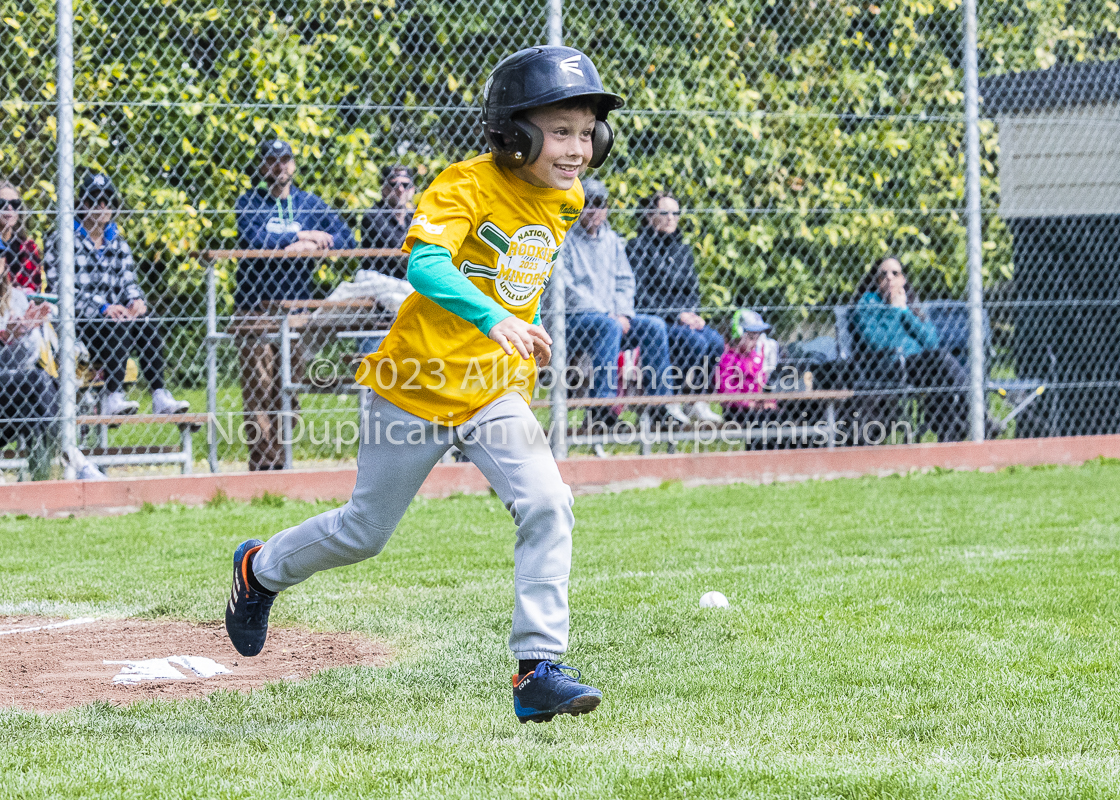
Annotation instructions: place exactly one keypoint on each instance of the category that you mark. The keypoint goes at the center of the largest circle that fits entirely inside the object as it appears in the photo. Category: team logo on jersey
(569, 213)
(525, 261)
(422, 221)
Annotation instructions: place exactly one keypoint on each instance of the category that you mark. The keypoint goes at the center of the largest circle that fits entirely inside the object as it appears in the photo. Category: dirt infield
(61, 664)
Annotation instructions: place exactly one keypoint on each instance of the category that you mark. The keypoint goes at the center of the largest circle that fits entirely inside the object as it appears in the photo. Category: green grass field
(946, 635)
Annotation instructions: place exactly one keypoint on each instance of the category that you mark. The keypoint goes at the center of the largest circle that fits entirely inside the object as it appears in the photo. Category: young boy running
(459, 365)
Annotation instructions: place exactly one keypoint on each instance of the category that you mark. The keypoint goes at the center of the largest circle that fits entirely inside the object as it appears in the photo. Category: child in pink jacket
(746, 364)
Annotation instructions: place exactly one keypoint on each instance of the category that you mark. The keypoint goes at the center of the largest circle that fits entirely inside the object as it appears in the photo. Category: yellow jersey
(503, 235)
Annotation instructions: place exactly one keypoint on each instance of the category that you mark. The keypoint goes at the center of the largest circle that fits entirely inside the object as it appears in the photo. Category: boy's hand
(512, 333)
(542, 353)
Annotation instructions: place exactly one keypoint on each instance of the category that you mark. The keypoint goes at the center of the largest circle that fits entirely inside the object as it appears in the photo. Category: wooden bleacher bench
(183, 455)
(356, 252)
(664, 400)
(696, 431)
(124, 455)
(300, 315)
(195, 421)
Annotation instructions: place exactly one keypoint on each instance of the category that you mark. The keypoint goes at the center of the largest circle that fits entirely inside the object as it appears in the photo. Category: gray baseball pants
(396, 453)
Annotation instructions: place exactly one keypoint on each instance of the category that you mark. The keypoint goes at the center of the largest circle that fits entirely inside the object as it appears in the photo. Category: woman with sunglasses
(668, 287)
(25, 265)
(386, 224)
(889, 320)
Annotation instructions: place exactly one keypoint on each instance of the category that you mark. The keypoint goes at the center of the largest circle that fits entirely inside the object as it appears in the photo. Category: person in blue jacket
(889, 319)
(277, 215)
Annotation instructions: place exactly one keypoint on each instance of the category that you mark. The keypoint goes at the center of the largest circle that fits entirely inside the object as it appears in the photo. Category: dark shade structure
(1060, 196)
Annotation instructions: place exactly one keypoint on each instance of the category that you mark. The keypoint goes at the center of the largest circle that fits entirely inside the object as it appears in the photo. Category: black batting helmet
(541, 76)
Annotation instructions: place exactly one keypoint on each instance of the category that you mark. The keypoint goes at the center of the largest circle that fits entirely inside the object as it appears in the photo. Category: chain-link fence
(771, 159)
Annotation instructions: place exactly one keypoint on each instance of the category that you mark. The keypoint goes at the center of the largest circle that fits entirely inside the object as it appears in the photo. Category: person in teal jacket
(889, 319)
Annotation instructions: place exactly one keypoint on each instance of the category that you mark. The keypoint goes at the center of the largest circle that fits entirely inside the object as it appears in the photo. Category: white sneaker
(83, 469)
(702, 412)
(116, 404)
(89, 472)
(164, 403)
(675, 411)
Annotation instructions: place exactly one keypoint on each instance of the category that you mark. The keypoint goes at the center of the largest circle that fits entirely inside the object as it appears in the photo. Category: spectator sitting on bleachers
(386, 224)
(27, 394)
(279, 216)
(112, 316)
(746, 364)
(24, 262)
(668, 287)
(889, 320)
(28, 380)
(599, 310)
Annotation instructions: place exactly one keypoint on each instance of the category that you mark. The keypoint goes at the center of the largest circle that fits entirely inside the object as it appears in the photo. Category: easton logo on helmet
(572, 65)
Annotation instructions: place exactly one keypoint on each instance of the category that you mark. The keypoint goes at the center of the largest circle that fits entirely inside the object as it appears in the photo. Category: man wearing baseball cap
(277, 215)
(386, 224)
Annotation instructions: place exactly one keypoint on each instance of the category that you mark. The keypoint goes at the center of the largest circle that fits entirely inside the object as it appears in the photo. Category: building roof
(1057, 87)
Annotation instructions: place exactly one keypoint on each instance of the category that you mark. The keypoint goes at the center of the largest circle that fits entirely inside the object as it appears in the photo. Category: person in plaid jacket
(112, 316)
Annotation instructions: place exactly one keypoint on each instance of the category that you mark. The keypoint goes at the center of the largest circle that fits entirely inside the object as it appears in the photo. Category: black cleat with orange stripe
(247, 610)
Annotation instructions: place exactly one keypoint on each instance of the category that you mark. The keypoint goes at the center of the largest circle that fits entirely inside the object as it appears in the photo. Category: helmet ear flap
(602, 140)
(516, 144)
(533, 136)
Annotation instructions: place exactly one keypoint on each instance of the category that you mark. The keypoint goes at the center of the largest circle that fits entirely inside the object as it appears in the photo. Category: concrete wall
(59, 498)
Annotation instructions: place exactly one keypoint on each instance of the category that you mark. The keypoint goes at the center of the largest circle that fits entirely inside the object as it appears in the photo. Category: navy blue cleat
(247, 610)
(540, 695)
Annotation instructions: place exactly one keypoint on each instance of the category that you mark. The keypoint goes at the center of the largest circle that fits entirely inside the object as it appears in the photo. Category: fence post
(211, 363)
(557, 326)
(286, 389)
(64, 19)
(972, 210)
(558, 330)
(556, 22)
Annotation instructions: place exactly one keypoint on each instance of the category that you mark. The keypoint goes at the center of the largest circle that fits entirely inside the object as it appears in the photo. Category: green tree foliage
(804, 137)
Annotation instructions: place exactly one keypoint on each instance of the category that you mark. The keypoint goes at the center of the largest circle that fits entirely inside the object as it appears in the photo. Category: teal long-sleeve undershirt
(432, 273)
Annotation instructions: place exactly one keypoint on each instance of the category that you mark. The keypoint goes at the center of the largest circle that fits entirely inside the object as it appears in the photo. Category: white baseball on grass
(714, 600)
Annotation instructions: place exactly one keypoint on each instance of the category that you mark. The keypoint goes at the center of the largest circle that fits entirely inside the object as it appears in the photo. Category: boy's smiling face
(567, 147)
